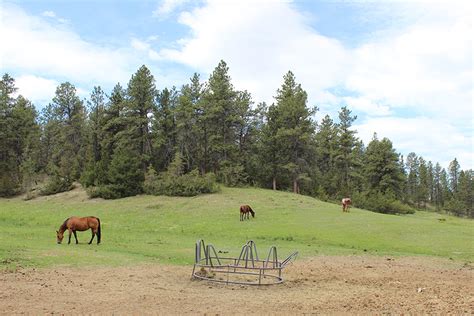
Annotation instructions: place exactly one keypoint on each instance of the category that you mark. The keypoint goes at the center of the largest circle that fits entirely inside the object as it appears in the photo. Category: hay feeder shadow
(246, 269)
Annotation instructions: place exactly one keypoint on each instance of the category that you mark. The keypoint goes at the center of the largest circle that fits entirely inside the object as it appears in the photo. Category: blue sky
(404, 68)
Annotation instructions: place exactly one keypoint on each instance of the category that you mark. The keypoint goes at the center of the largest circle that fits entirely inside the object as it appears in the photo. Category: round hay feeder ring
(247, 269)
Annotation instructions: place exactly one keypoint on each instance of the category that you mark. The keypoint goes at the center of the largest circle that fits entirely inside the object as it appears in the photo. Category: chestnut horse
(73, 224)
(244, 212)
(346, 203)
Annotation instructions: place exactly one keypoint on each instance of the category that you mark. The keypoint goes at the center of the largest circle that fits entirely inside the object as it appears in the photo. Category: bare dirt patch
(325, 284)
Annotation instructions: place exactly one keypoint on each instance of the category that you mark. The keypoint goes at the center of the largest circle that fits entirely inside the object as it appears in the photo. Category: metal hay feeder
(247, 269)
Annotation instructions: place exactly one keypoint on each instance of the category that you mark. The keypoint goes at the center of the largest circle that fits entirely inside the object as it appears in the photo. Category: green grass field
(146, 229)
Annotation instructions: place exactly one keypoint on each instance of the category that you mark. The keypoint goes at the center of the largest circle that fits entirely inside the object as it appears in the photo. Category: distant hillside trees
(19, 140)
(180, 141)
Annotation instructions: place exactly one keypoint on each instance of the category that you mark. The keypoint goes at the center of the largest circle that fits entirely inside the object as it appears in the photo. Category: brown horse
(73, 224)
(346, 203)
(244, 212)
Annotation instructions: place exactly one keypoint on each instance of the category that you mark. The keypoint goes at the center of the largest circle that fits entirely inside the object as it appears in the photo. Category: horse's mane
(64, 225)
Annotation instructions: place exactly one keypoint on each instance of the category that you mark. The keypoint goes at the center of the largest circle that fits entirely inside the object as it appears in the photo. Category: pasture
(358, 262)
(151, 229)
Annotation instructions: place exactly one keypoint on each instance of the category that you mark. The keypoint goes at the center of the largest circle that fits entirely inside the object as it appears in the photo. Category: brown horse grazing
(346, 203)
(73, 224)
(244, 212)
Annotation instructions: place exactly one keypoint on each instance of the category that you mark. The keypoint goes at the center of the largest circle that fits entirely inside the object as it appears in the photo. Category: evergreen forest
(189, 140)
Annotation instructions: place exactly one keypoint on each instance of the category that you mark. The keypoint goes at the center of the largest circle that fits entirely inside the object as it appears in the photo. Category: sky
(405, 68)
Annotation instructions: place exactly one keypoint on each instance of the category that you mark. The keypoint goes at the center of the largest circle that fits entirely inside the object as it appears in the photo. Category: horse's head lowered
(59, 236)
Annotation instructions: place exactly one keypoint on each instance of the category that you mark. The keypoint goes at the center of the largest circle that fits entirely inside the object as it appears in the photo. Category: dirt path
(318, 285)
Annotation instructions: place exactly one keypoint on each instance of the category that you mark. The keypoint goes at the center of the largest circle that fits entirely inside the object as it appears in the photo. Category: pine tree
(189, 134)
(68, 115)
(125, 172)
(219, 116)
(447, 194)
(19, 138)
(294, 130)
(382, 168)
(95, 171)
(430, 182)
(346, 141)
(113, 128)
(223, 112)
(139, 106)
(325, 140)
(9, 175)
(438, 194)
(454, 169)
(27, 132)
(270, 158)
(165, 128)
(423, 184)
(249, 132)
(413, 169)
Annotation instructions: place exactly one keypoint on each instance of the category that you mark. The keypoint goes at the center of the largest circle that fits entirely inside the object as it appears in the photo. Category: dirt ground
(325, 284)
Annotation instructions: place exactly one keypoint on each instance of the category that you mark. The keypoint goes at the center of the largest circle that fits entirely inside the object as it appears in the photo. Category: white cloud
(168, 6)
(145, 47)
(427, 67)
(139, 45)
(261, 41)
(365, 105)
(40, 47)
(429, 138)
(49, 14)
(52, 14)
(38, 89)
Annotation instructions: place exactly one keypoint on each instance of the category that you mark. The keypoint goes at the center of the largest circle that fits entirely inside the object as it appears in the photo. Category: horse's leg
(70, 233)
(241, 216)
(93, 235)
(75, 236)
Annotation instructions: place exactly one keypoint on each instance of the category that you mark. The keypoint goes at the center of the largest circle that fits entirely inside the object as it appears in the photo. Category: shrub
(321, 194)
(189, 184)
(109, 191)
(381, 203)
(124, 177)
(55, 185)
(232, 175)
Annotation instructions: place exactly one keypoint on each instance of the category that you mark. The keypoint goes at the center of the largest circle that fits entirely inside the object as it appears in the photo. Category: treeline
(182, 141)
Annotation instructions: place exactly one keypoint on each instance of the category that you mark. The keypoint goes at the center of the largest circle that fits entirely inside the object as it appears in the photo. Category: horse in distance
(245, 210)
(346, 203)
(73, 224)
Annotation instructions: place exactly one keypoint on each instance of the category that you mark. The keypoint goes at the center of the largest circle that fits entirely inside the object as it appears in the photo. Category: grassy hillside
(165, 229)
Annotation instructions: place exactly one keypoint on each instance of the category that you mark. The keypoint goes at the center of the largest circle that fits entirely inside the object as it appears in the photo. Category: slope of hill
(164, 229)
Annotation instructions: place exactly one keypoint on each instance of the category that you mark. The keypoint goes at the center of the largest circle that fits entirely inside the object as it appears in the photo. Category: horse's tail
(98, 231)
